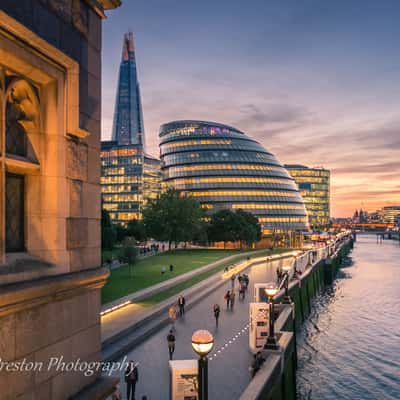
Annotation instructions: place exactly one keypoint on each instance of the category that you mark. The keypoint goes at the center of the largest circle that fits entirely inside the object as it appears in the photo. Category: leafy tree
(129, 253)
(250, 231)
(173, 217)
(223, 227)
(108, 233)
(230, 226)
(121, 232)
(137, 230)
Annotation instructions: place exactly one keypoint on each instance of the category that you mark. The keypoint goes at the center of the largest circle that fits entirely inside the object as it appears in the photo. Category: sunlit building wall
(151, 178)
(391, 214)
(223, 168)
(314, 186)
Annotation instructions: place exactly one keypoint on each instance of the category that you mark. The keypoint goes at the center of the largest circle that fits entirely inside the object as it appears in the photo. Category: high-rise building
(128, 127)
(50, 257)
(390, 214)
(314, 186)
(223, 168)
(129, 176)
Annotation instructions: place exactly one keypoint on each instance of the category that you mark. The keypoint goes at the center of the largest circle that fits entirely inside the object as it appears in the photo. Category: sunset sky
(316, 82)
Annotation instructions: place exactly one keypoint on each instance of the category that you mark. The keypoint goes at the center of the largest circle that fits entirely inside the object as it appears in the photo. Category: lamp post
(202, 344)
(271, 290)
(287, 299)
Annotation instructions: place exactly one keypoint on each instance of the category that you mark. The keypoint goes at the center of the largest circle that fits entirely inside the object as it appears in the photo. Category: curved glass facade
(223, 168)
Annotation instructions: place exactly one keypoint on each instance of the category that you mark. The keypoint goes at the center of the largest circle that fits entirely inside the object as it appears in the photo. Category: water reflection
(350, 347)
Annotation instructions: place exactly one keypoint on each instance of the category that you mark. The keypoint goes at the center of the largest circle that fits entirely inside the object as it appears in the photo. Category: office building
(390, 214)
(223, 168)
(314, 186)
(129, 176)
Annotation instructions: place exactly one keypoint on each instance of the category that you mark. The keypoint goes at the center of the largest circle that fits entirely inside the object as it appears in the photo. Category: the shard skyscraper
(128, 127)
(129, 176)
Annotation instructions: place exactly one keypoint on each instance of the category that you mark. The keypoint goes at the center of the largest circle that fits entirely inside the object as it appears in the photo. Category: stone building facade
(50, 263)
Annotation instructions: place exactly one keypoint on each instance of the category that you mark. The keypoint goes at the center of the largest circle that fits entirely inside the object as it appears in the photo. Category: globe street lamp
(271, 291)
(286, 299)
(202, 344)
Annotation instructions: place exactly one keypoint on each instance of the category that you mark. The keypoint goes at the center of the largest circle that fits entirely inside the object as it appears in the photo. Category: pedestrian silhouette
(227, 297)
(131, 378)
(217, 311)
(181, 304)
(232, 299)
(172, 316)
(171, 343)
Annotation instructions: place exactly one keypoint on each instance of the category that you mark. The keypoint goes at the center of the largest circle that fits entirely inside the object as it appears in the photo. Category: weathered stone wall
(50, 295)
(66, 328)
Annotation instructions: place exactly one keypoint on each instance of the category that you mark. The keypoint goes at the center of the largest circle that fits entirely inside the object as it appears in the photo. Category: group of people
(230, 299)
(132, 373)
(172, 315)
(146, 250)
(164, 269)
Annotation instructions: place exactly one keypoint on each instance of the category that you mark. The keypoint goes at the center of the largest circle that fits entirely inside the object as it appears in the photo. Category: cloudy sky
(317, 82)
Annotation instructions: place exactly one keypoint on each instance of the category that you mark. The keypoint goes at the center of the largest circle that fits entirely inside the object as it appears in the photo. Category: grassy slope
(147, 272)
(175, 290)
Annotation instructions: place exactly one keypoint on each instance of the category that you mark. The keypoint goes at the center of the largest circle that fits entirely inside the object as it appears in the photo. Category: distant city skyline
(313, 82)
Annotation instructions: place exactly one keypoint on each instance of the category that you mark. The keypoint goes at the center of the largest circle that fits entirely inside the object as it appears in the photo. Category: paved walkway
(115, 322)
(230, 359)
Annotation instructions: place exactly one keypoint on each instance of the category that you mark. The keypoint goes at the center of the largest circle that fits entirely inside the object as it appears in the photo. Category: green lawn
(175, 290)
(147, 272)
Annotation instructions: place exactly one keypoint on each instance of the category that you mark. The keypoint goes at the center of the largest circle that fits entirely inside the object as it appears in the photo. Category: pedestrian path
(230, 359)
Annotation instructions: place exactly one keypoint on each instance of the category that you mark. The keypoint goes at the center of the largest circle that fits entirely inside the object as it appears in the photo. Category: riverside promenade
(230, 360)
(125, 328)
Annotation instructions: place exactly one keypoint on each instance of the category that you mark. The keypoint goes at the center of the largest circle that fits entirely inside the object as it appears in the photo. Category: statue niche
(22, 117)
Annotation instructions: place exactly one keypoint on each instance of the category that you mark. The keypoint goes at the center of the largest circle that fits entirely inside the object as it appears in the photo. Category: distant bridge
(372, 226)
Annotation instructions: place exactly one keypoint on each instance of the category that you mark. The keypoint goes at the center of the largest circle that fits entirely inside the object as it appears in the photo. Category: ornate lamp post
(286, 299)
(202, 344)
(271, 291)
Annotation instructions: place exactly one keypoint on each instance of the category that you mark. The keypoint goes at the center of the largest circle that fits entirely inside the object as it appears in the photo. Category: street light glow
(202, 342)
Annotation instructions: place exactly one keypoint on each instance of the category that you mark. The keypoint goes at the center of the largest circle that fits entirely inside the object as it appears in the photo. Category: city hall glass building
(314, 186)
(129, 176)
(223, 168)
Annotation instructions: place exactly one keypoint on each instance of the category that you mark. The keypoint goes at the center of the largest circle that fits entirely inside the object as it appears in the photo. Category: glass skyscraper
(223, 168)
(128, 127)
(129, 176)
(314, 186)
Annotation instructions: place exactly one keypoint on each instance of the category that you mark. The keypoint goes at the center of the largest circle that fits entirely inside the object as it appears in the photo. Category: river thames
(350, 346)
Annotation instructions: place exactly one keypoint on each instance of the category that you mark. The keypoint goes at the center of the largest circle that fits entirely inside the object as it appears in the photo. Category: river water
(349, 349)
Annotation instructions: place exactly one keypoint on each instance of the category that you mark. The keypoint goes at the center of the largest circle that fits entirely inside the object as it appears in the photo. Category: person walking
(246, 280)
(171, 343)
(172, 316)
(171, 268)
(232, 296)
(131, 378)
(227, 297)
(181, 305)
(242, 291)
(217, 311)
(233, 280)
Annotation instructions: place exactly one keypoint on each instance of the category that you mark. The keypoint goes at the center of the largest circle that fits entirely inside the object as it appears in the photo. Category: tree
(250, 231)
(108, 234)
(129, 253)
(137, 230)
(121, 232)
(173, 217)
(223, 227)
(229, 226)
